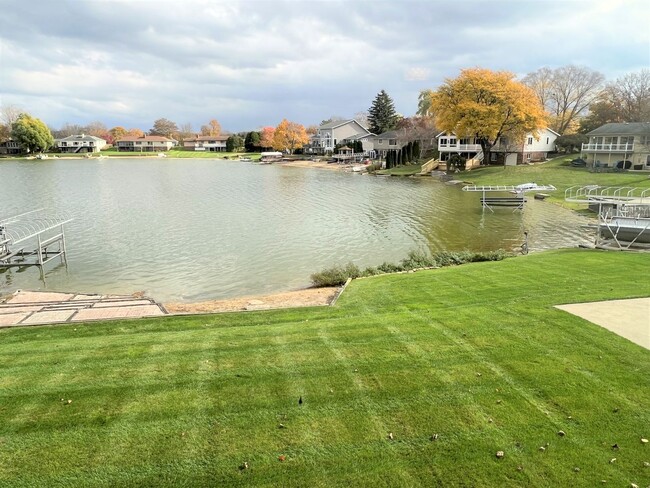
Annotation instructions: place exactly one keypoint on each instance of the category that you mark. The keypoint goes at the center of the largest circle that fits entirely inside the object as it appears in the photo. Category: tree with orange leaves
(289, 136)
(266, 137)
(487, 105)
(212, 129)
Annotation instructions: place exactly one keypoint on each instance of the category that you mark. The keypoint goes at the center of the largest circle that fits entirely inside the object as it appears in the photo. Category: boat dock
(515, 199)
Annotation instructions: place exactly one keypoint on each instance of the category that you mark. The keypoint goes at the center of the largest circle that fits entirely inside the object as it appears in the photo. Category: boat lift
(32, 239)
(623, 214)
(516, 199)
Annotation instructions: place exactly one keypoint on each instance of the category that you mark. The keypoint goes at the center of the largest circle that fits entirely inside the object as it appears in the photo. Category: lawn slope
(475, 354)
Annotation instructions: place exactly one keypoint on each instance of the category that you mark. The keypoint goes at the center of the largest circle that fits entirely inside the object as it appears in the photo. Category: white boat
(162, 155)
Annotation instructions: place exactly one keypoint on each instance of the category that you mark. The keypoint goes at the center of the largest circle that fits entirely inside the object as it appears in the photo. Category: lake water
(191, 230)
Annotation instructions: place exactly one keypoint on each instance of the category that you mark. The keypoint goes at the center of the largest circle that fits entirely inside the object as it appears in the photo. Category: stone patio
(36, 307)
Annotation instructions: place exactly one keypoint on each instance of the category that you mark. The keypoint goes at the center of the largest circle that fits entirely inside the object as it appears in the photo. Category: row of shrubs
(338, 275)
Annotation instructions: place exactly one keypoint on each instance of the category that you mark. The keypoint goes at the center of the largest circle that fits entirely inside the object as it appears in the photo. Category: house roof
(390, 134)
(454, 134)
(338, 123)
(207, 138)
(81, 137)
(361, 135)
(145, 138)
(623, 128)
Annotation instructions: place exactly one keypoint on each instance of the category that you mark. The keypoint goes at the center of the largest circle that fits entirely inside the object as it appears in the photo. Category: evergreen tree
(252, 141)
(382, 116)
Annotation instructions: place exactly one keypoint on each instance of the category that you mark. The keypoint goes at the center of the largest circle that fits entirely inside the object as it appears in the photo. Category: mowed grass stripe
(184, 401)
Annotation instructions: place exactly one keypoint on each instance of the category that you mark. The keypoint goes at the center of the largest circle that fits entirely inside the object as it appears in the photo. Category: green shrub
(388, 268)
(418, 259)
(338, 275)
(335, 276)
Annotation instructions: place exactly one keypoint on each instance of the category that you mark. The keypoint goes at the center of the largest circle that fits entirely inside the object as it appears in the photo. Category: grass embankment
(557, 172)
(403, 170)
(475, 354)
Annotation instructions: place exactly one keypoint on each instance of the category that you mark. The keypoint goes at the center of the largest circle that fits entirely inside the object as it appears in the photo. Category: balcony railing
(459, 147)
(608, 147)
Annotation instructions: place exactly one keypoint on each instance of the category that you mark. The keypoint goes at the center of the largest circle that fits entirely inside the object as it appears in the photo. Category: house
(206, 143)
(387, 141)
(623, 145)
(504, 151)
(80, 143)
(330, 134)
(145, 144)
(10, 147)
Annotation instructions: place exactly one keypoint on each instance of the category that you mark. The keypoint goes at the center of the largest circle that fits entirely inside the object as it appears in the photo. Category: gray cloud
(252, 63)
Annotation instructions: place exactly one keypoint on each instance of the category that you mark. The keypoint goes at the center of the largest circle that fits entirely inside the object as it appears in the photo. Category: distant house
(206, 143)
(10, 147)
(341, 131)
(624, 145)
(387, 141)
(505, 151)
(145, 144)
(80, 143)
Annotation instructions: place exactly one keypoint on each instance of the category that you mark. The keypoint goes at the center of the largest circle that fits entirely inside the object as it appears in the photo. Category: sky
(250, 64)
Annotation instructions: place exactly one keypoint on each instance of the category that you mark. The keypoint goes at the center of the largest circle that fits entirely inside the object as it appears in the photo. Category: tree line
(487, 105)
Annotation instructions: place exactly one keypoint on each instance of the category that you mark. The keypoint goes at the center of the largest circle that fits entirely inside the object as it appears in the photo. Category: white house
(332, 133)
(206, 143)
(624, 145)
(145, 144)
(504, 151)
(80, 143)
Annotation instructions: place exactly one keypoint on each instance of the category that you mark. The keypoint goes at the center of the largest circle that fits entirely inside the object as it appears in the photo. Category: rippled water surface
(199, 229)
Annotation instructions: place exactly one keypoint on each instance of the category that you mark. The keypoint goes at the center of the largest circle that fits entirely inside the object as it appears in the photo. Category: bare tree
(362, 118)
(186, 131)
(541, 82)
(565, 92)
(9, 114)
(631, 95)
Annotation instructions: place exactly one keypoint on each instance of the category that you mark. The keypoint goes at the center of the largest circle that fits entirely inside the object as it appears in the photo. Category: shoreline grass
(475, 354)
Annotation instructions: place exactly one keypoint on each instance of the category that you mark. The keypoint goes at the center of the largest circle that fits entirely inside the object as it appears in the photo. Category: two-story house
(10, 147)
(619, 145)
(80, 143)
(332, 133)
(206, 143)
(145, 144)
(388, 141)
(505, 151)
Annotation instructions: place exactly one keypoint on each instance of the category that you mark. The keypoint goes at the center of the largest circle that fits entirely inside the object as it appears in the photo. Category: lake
(196, 229)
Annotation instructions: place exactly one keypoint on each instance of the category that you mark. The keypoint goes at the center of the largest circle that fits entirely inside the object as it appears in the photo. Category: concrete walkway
(36, 307)
(627, 318)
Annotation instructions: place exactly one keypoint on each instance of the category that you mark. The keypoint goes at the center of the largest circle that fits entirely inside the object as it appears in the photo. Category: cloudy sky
(252, 63)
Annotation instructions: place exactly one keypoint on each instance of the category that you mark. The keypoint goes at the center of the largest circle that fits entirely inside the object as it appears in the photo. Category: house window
(528, 156)
(547, 139)
(530, 141)
(379, 141)
(443, 141)
(493, 157)
(392, 142)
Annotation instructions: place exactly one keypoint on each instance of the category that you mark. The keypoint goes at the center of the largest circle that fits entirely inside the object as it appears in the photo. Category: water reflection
(197, 229)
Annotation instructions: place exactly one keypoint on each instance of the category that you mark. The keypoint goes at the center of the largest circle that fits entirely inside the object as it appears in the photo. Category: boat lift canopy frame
(516, 201)
(37, 235)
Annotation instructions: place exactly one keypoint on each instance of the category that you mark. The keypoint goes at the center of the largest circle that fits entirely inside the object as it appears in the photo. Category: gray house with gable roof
(623, 145)
(80, 143)
(340, 131)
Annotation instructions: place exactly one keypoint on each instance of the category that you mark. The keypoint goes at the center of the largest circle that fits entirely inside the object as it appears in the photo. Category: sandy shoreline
(310, 297)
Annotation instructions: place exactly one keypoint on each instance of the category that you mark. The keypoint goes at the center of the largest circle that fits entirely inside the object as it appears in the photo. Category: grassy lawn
(557, 172)
(475, 354)
(404, 170)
